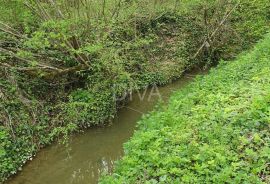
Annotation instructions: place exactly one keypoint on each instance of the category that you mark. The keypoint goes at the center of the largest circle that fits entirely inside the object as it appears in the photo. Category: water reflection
(94, 170)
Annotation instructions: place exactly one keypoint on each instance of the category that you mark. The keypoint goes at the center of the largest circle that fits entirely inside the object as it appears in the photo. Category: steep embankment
(214, 131)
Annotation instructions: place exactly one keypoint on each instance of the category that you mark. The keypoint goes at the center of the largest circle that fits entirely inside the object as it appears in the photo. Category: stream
(96, 149)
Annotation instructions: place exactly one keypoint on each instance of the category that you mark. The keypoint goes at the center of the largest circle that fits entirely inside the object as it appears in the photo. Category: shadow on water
(90, 153)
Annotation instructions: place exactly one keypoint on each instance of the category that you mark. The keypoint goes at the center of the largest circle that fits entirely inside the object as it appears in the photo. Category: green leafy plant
(216, 130)
(62, 63)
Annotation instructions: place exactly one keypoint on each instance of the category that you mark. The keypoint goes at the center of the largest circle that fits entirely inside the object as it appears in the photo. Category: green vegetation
(63, 62)
(216, 130)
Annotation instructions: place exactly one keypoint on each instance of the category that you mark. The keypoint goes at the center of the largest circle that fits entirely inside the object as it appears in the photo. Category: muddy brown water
(96, 149)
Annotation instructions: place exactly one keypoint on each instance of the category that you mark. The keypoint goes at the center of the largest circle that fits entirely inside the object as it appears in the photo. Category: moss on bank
(216, 130)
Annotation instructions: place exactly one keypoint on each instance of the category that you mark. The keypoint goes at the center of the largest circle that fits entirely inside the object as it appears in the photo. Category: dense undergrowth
(216, 130)
(62, 63)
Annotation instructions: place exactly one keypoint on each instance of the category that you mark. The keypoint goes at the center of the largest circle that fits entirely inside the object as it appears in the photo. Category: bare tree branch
(226, 16)
(7, 29)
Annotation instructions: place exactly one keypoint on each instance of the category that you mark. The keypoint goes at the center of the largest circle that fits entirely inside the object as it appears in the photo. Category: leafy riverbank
(216, 130)
(62, 64)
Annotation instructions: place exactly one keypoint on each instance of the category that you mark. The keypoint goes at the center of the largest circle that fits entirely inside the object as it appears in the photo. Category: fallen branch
(49, 72)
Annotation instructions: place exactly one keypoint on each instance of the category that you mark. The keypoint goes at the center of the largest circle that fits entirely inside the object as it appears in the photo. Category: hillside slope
(216, 130)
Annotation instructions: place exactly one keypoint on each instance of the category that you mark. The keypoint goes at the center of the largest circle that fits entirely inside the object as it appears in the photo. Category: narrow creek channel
(90, 153)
